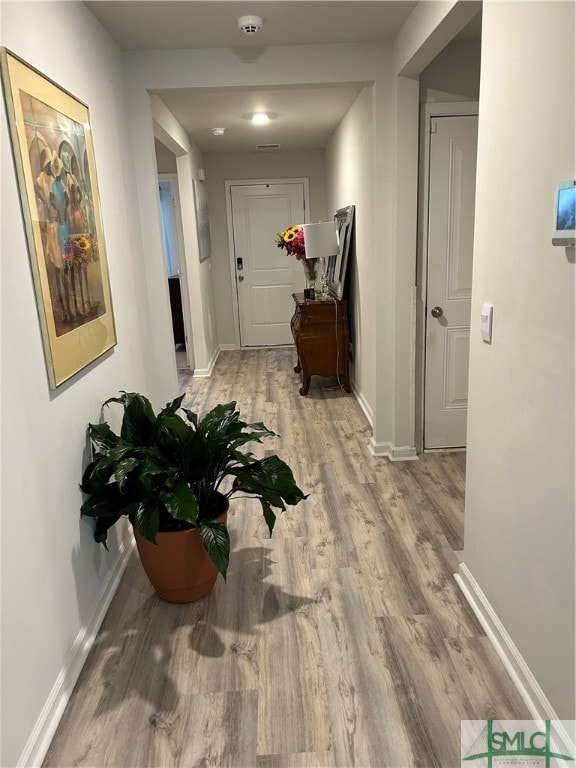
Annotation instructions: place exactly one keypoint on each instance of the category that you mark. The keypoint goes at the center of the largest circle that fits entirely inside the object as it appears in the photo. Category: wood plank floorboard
(367, 728)
(341, 642)
(298, 760)
(292, 704)
(413, 651)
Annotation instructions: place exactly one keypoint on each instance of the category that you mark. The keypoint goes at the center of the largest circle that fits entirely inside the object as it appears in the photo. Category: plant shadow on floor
(149, 649)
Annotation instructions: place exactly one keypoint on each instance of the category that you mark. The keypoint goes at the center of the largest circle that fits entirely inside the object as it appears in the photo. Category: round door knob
(437, 312)
(240, 278)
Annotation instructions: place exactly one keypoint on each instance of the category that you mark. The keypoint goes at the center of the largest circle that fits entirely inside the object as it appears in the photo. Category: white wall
(520, 508)
(52, 573)
(454, 75)
(427, 31)
(351, 181)
(165, 159)
(230, 166)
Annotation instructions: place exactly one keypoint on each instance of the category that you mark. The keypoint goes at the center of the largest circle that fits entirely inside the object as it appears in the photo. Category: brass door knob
(240, 278)
(437, 312)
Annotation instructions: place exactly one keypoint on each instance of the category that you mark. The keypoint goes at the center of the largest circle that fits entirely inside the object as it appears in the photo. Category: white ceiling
(302, 118)
(165, 24)
(139, 25)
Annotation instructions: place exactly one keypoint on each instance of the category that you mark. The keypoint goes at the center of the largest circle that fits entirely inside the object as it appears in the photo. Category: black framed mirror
(338, 265)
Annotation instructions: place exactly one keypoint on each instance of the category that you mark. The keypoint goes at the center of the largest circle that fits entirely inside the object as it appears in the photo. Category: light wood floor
(341, 641)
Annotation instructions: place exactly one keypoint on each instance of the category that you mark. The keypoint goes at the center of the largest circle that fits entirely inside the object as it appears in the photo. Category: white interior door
(266, 277)
(453, 142)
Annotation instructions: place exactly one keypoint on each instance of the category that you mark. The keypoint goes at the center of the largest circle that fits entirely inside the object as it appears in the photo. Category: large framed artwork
(54, 159)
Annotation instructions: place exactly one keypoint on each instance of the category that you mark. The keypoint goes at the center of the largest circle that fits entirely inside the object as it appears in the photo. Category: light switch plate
(486, 323)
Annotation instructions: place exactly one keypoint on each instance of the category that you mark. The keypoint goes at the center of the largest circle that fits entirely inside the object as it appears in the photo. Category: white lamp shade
(320, 240)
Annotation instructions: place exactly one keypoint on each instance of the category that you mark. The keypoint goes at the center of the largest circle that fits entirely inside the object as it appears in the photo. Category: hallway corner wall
(55, 580)
(519, 520)
(350, 160)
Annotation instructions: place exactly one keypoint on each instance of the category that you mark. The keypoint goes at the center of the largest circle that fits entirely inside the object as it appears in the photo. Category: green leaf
(196, 457)
(151, 469)
(216, 542)
(101, 528)
(182, 503)
(270, 478)
(122, 399)
(269, 515)
(147, 519)
(139, 422)
(243, 438)
(261, 426)
(130, 509)
(123, 469)
(191, 416)
(220, 413)
(106, 503)
(97, 474)
(172, 426)
(119, 452)
(171, 408)
(102, 435)
(243, 458)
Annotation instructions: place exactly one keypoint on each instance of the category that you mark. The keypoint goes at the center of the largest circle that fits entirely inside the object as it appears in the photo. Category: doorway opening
(173, 252)
(172, 265)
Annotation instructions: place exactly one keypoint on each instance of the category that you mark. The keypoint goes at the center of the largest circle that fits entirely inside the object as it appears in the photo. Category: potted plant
(172, 476)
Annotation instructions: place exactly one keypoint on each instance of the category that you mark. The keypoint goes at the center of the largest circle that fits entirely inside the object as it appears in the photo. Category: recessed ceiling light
(260, 118)
(218, 131)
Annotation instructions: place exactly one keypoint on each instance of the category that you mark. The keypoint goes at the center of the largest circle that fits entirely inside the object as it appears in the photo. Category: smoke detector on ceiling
(250, 24)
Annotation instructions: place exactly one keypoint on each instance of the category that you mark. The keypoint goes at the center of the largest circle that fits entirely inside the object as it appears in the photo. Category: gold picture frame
(56, 171)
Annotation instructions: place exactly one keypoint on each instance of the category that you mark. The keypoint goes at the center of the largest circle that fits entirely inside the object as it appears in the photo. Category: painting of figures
(56, 172)
(57, 154)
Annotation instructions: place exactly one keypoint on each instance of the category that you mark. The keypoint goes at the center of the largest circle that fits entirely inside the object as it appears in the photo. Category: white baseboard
(228, 347)
(403, 453)
(37, 745)
(392, 452)
(363, 403)
(379, 449)
(204, 373)
(528, 687)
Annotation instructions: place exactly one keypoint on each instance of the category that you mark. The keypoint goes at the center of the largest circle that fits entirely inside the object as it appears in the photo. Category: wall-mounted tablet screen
(564, 225)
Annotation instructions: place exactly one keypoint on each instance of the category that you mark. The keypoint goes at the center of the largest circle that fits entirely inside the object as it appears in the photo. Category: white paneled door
(453, 141)
(266, 277)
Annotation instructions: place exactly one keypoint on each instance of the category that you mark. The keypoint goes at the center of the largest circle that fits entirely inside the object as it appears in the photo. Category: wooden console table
(320, 330)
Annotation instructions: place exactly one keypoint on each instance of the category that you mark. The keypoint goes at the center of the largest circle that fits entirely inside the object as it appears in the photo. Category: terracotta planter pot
(178, 566)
